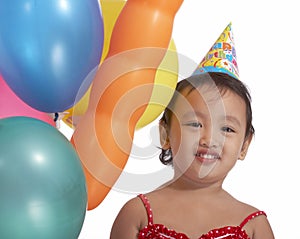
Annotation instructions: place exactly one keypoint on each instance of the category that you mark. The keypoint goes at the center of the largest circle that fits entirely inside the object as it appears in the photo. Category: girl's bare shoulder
(256, 224)
(130, 219)
(135, 208)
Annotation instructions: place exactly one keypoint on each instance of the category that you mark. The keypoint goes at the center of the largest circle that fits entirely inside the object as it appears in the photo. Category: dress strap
(148, 208)
(251, 216)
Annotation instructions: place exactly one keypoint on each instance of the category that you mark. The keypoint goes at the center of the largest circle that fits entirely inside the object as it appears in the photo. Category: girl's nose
(209, 138)
(205, 141)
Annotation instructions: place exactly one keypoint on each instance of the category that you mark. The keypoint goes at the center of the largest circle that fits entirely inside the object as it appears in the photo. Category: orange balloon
(121, 91)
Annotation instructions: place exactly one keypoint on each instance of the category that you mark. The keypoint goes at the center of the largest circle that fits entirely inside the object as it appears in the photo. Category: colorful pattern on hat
(221, 57)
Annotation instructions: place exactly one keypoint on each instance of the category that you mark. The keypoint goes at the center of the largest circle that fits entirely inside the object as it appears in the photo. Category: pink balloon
(12, 105)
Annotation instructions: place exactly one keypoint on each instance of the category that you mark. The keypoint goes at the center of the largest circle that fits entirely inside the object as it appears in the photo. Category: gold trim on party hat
(221, 57)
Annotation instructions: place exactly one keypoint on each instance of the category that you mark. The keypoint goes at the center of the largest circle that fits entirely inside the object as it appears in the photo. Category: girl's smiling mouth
(206, 156)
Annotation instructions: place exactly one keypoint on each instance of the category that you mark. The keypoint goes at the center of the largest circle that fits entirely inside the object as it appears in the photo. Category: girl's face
(207, 134)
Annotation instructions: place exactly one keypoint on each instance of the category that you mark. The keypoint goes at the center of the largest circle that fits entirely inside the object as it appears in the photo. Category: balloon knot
(56, 116)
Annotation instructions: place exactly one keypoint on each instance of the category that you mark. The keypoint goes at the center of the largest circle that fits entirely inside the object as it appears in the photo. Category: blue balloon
(42, 183)
(50, 49)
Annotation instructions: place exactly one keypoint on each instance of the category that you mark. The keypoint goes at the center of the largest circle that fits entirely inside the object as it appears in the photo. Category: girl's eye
(194, 124)
(227, 129)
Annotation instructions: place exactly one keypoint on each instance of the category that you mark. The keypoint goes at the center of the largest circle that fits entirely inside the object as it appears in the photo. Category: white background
(266, 40)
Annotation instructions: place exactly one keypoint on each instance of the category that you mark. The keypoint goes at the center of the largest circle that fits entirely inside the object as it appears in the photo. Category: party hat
(221, 57)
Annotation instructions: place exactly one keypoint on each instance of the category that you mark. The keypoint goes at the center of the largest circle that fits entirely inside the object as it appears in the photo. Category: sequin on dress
(159, 231)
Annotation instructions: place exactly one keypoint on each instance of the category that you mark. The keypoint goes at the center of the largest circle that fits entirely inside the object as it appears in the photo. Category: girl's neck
(188, 186)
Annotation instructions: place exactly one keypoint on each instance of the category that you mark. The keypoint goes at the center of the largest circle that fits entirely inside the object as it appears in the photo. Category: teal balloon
(50, 50)
(42, 184)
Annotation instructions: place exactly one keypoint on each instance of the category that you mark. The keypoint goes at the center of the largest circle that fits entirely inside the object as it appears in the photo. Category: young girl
(205, 129)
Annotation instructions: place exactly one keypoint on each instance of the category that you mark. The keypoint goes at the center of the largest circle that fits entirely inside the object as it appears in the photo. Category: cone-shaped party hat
(221, 57)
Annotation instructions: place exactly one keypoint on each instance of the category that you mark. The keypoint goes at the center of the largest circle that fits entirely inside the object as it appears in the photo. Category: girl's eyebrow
(233, 119)
(190, 114)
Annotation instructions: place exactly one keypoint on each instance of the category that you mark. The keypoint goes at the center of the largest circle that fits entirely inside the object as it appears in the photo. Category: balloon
(49, 48)
(121, 91)
(42, 185)
(164, 85)
(12, 105)
(110, 12)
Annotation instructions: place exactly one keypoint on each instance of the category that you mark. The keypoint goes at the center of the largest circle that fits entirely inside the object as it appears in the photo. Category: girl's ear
(163, 135)
(245, 147)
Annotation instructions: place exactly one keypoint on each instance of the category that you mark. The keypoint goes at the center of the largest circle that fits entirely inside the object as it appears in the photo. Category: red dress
(159, 231)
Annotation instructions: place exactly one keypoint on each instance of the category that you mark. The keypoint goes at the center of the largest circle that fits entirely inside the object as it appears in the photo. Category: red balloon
(12, 105)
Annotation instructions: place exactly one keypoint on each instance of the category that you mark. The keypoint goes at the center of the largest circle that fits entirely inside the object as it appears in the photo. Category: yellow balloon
(166, 78)
(110, 12)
